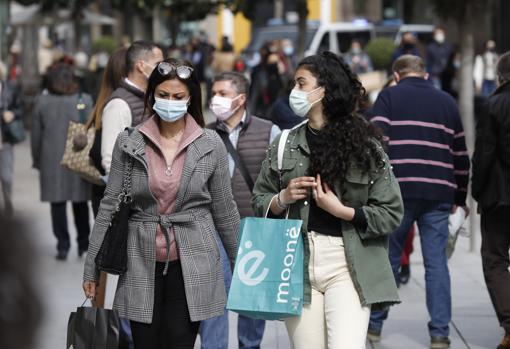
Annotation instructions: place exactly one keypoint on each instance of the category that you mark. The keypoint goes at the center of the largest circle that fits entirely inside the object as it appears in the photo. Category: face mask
(152, 68)
(170, 110)
(288, 50)
(356, 50)
(299, 102)
(408, 46)
(439, 37)
(221, 107)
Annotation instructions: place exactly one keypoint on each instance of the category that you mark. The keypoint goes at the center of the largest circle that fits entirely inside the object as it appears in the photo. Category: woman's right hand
(297, 189)
(90, 289)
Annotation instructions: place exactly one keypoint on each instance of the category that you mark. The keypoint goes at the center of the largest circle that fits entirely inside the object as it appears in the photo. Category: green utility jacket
(377, 192)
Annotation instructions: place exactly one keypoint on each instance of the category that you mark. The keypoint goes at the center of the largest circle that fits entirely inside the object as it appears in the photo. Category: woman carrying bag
(50, 122)
(337, 179)
(180, 196)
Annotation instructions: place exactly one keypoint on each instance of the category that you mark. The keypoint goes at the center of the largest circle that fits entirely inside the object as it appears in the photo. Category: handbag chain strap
(126, 184)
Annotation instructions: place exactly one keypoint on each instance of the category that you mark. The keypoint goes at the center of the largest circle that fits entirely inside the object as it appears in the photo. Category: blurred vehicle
(263, 35)
(423, 32)
(335, 37)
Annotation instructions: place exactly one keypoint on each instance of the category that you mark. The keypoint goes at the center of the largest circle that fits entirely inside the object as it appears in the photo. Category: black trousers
(81, 221)
(495, 260)
(171, 327)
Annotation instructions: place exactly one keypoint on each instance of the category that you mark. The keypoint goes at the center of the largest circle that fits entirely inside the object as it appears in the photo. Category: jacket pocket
(355, 189)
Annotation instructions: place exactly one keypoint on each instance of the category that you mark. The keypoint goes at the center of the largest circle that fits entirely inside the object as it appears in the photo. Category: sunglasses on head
(182, 71)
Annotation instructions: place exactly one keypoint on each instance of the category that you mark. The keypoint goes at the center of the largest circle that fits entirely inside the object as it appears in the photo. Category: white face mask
(222, 107)
(299, 102)
(439, 37)
(152, 68)
(170, 110)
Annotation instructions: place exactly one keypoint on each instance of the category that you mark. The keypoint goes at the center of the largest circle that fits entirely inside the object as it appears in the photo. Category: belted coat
(204, 206)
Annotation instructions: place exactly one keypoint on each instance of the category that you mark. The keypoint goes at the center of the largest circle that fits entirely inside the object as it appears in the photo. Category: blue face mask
(170, 110)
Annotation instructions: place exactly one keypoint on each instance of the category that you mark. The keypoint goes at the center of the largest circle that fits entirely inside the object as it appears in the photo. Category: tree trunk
(302, 8)
(173, 28)
(278, 9)
(4, 22)
(466, 97)
(77, 31)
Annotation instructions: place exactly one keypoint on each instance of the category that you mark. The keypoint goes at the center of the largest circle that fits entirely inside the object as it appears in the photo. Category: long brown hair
(114, 72)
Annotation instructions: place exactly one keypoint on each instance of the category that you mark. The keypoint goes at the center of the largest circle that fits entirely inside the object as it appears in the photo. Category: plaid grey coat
(204, 205)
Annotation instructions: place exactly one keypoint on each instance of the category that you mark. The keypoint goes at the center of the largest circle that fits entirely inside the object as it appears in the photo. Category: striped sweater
(426, 141)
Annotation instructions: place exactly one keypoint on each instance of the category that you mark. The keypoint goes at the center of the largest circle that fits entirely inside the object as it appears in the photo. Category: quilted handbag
(80, 138)
(112, 256)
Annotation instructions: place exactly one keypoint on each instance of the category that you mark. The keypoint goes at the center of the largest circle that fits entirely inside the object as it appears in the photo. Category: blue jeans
(214, 332)
(488, 86)
(432, 221)
(250, 332)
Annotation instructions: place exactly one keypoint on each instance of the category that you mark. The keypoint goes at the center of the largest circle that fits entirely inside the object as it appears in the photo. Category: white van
(337, 37)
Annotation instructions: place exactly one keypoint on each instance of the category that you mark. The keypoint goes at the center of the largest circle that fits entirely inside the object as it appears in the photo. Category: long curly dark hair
(346, 139)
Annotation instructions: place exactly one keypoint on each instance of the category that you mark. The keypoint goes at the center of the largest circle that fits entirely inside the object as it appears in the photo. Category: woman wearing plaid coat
(181, 194)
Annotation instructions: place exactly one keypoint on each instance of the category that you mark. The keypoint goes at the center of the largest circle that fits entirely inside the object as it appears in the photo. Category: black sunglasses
(182, 71)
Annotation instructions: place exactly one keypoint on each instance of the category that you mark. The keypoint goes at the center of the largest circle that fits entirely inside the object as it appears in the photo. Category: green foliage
(50, 5)
(380, 51)
(105, 43)
(180, 10)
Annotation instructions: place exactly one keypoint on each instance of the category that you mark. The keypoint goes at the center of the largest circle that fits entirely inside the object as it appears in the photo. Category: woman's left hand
(328, 201)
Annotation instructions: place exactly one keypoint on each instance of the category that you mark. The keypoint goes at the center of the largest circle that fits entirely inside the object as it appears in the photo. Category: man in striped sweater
(428, 153)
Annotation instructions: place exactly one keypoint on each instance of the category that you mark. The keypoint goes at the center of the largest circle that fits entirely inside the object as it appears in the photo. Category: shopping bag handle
(91, 302)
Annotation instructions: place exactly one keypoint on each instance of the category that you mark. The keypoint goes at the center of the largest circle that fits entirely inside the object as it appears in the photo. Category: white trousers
(335, 318)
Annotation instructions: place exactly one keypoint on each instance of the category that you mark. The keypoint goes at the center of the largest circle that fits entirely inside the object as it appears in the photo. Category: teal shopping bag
(267, 282)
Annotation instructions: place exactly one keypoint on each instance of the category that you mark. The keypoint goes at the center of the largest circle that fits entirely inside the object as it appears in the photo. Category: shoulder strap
(126, 183)
(281, 150)
(237, 160)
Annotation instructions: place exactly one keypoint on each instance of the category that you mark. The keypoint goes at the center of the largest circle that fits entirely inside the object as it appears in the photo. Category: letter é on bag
(247, 276)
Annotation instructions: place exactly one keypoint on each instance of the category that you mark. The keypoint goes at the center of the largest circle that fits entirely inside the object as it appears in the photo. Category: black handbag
(112, 256)
(93, 328)
(15, 131)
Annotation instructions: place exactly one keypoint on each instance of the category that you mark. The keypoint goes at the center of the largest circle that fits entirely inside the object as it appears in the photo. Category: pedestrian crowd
(364, 178)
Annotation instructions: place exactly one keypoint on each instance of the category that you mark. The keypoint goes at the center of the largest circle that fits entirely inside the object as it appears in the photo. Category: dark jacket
(437, 57)
(10, 99)
(491, 159)
(401, 50)
(282, 115)
(135, 100)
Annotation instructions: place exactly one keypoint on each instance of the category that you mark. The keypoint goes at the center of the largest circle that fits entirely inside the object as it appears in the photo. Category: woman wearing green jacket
(338, 180)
